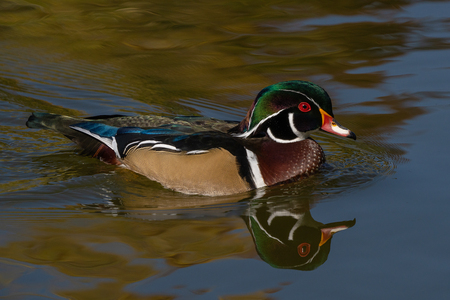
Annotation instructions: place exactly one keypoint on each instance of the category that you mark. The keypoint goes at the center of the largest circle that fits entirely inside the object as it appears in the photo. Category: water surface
(72, 227)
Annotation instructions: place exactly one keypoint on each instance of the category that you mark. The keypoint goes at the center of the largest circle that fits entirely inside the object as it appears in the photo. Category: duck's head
(290, 111)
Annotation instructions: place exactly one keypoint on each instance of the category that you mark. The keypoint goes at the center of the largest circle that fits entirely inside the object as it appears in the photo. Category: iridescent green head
(289, 111)
(286, 94)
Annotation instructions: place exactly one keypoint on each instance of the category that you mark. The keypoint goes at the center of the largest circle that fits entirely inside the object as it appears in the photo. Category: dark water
(72, 227)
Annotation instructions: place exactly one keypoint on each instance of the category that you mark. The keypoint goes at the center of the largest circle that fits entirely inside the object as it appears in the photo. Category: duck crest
(279, 96)
(281, 163)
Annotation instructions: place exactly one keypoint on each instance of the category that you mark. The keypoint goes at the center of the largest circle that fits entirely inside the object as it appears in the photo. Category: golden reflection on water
(81, 57)
(97, 246)
(138, 245)
(171, 50)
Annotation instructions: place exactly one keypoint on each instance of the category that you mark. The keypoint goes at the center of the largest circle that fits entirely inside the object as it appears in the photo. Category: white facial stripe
(248, 133)
(254, 169)
(303, 135)
(291, 237)
(282, 213)
(265, 231)
(309, 98)
(293, 229)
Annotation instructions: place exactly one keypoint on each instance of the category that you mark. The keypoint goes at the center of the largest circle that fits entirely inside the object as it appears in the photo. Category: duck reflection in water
(187, 230)
(287, 236)
(284, 233)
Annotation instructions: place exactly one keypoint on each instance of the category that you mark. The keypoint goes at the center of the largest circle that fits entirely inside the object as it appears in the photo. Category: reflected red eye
(303, 249)
(304, 107)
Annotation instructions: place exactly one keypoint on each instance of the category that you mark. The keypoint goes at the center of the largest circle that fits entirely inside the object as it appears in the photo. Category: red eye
(303, 249)
(304, 107)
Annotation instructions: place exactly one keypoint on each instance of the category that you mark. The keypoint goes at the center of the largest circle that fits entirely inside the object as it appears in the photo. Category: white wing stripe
(152, 142)
(165, 146)
(196, 152)
(110, 142)
(254, 169)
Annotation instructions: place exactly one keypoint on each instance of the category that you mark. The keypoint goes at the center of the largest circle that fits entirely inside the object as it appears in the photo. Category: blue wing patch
(157, 139)
(160, 131)
(99, 129)
(128, 130)
(107, 131)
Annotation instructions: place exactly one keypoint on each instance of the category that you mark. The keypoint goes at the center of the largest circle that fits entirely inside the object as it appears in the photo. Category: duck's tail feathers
(90, 144)
(54, 122)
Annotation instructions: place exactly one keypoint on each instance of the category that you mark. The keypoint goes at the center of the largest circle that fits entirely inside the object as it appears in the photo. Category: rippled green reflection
(76, 228)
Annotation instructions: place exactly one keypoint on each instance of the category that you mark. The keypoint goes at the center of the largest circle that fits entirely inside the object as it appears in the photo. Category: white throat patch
(300, 135)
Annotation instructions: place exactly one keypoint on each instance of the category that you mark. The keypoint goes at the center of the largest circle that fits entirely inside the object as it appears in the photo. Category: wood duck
(288, 237)
(197, 155)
